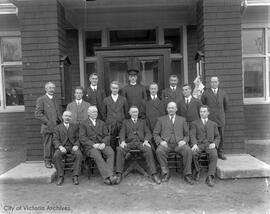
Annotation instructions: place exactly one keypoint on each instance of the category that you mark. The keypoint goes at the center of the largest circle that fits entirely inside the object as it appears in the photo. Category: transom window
(256, 55)
(11, 76)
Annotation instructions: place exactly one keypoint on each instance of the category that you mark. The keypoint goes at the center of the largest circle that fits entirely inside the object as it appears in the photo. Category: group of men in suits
(92, 124)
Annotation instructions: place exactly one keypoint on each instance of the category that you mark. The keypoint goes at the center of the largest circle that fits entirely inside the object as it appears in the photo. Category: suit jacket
(163, 129)
(218, 105)
(204, 134)
(131, 132)
(90, 134)
(134, 94)
(151, 111)
(79, 113)
(172, 96)
(63, 136)
(47, 111)
(191, 111)
(115, 111)
(88, 97)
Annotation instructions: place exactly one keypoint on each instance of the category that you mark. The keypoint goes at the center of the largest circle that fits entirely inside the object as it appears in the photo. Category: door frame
(134, 51)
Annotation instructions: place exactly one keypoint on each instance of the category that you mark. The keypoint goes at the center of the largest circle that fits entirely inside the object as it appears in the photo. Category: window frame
(3, 107)
(265, 56)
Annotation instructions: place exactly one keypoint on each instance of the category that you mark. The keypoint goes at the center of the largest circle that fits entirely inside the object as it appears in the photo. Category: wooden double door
(153, 66)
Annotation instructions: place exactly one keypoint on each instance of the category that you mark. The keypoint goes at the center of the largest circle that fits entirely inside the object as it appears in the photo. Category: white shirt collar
(79, 101)
(206, 119)
(173, 87)
(114, 97)
(93, 87)
(173, 119)
(93, 121)
(188, 98)
(154, 97)
(133, 84)
(50, 96)
(214, 89)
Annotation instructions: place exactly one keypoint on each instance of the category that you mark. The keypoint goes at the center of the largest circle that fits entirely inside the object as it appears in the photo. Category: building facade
(64, 41)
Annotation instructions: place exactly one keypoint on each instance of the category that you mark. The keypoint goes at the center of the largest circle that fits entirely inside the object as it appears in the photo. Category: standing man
(204, 136)
(189, 107)
(171, 134)
(47, 111)
(115, 110)
(153, 108)
(94, 94)
(66, 141)
(173, 93)
(95, 138)
(134, 92)
(217, 101)
(135, 134)
(78, 107)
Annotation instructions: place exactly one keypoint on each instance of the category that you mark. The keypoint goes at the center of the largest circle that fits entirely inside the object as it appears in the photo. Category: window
(11, 76)
(256, 68)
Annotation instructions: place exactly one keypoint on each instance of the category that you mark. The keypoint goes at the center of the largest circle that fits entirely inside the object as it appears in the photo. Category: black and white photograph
(135, 106)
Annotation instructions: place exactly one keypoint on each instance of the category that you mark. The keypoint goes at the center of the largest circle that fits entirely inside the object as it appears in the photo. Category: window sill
(256, 102)
(13, 109)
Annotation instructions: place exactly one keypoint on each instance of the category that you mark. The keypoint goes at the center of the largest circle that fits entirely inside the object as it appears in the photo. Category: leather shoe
(156, 179)
(222, 157)
(209, 181)
(118, 178)
(188, 179)
(165, 177)
(60, 181)
(75, 180)
(110, 180)
(196, 176)
(48, 165)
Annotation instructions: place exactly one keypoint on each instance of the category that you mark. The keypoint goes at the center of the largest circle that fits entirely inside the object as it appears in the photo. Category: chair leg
(135, 166)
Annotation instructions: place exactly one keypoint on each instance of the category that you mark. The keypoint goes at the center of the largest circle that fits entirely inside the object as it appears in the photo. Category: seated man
(66, 141)
(135, 134)
(95, 139)
(171, 134)
(204, 136)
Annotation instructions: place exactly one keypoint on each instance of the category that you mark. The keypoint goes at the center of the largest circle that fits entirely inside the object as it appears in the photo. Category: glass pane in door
(149, 71)
(115, 70)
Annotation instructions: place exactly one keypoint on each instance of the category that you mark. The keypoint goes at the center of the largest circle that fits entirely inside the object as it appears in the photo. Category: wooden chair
(134, 156)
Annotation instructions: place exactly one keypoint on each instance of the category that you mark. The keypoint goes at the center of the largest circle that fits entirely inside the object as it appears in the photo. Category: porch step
(29, 172)
(242, 166)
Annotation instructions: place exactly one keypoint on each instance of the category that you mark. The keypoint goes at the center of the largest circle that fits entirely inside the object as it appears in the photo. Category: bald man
(66, 141)
(171, 133)
(95, 138)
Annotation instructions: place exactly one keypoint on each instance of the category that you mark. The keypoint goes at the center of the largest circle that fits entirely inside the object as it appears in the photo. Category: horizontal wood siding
(219, 28)
(43, 43)
(257, 121)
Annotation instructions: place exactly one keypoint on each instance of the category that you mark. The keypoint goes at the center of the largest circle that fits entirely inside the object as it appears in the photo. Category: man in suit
(204, 136)
(66, 141)
(135, 134)
(189, 107)
(115, 110)
(78, 107)
(94, 94)
(173, 93)
(152, 108)
(171, 134)
(47, 111)
(134, 92)
(95, 138)
(217, 101)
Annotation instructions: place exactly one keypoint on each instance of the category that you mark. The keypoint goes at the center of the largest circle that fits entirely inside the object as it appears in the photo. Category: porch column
(219, 37)
(43, 42)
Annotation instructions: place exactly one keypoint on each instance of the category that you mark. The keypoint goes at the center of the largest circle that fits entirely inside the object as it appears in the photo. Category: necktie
(172, 119)
(66, 125)
(187, 101)
(215, 91)
(173, 89)
(135, 121)
(204, 122)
